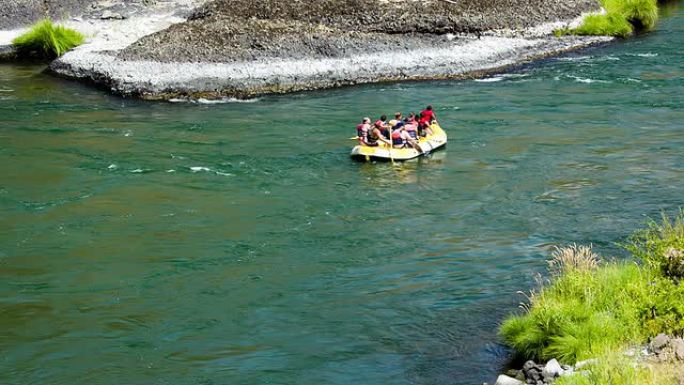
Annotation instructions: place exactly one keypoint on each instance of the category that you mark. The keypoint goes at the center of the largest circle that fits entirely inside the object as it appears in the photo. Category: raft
(382, 152)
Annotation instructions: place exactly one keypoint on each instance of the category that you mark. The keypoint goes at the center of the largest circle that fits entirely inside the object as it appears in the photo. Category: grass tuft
(610, 24)
(572, 258)
(592, 310)
(621, 19)
(661, 245)
(46, 40)
(643, 14)
(583, 314)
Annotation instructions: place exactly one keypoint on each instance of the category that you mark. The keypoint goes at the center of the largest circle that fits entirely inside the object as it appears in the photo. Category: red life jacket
(427, 114)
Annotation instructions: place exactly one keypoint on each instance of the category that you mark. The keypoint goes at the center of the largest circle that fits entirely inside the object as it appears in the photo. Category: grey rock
(534, 375)
(678, 347)
(108, 15)
(529, 365)
(552, 369)
(520, 376)
(658, 343)
(505, 380)
(7, 53)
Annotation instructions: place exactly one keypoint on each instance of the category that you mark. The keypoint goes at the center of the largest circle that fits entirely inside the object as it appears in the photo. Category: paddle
(390, 150)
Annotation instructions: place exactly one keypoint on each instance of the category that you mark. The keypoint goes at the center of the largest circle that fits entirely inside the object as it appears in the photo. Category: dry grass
(572, 258)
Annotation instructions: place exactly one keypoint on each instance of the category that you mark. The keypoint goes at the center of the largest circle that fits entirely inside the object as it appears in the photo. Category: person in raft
(398, 121)
(363, 130)
(399, 131)
(383, 126)
(427, 117)
(411, 126)
(402, 139)
(371, 135)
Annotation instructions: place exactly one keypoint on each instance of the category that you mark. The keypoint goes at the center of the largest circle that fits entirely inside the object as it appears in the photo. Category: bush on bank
(621, 19)
(592, 309)
(46, 40)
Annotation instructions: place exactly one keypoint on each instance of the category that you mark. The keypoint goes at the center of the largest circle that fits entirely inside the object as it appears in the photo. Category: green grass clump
(661, 245)
(621, 19)
(609, 24)
(591, 309)
(47, 41)
(583, 314)
(643, 14)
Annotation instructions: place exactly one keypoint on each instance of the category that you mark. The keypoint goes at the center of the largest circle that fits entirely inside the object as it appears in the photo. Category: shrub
(584, 313)
(622, 17)
(46, 40)
(643, 14)
(595, 311)
(661, 245)
(610, 24)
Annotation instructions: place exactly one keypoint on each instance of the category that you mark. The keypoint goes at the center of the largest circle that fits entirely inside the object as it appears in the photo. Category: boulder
(658, 343)
(678, 347)
(505, 380)
(529, 365)
(552, 370)
(534, 375)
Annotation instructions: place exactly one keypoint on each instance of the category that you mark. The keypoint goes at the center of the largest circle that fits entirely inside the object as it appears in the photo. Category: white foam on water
(646, 54)
(514, 76)
(199, 168)
(608, 58)
(213, 101)
(112, 166)
(139, 170)
(223, 173)
(490, 80)
(575, 58)
(587, 80)
(171, 170)
(6, 90)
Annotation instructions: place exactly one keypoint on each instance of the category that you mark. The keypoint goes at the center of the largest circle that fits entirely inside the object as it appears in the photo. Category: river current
(237, 243)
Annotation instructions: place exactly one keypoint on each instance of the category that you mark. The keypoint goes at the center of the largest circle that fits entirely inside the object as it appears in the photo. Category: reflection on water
(181, 243)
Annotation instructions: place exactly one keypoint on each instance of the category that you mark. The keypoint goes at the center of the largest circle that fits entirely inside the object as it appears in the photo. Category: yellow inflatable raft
(438, 139)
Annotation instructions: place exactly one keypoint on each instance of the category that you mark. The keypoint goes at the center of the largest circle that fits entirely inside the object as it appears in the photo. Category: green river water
(237, 243)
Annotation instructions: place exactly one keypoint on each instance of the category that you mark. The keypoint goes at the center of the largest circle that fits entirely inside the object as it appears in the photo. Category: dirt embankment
(243, 30)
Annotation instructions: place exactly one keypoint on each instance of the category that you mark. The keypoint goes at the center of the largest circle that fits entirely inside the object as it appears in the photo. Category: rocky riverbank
(663, 352)
(165, 49)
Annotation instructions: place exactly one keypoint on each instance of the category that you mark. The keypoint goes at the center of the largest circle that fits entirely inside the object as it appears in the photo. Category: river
(237, 243)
